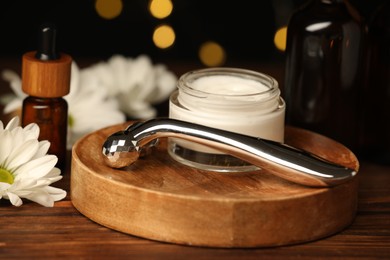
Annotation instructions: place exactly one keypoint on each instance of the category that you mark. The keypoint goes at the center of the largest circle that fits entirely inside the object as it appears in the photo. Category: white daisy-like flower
(136, 83)
(26, 170)
(90, 107)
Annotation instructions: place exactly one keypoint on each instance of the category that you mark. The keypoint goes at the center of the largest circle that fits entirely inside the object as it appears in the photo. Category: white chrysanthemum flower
(136, 83)
(26, 170)
(90, 107)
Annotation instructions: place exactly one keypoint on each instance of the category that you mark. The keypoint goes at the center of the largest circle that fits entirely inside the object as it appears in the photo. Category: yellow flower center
(6, 176)
(70, 121)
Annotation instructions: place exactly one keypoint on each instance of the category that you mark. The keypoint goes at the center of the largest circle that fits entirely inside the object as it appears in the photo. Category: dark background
(245, 28)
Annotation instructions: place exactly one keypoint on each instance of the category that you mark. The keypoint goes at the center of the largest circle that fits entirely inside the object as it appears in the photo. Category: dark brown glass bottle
(323, 76)
(377, 91)
(46, 79)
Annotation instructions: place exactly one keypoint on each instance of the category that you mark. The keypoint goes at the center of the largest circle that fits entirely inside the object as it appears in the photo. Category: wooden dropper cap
(45, 73)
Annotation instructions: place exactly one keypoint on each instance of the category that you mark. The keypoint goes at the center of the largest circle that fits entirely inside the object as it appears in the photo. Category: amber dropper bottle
(46, 79)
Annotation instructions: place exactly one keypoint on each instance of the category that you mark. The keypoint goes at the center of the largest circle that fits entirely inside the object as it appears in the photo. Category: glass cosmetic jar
(232, 99)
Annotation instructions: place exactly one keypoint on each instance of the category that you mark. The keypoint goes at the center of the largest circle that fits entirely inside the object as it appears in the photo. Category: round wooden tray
(160, 199)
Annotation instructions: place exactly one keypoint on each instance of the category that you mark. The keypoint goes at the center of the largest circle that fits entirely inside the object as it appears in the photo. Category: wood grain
(160, 199)
(46, 78)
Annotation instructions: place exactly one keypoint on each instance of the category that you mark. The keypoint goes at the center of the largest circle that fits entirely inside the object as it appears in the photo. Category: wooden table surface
(32, 231)
(35, 232)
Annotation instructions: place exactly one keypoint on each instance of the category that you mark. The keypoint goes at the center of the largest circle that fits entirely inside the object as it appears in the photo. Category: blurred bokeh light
(212, 54)
(109, 9)
(164, 36)
(160, 8)
(174, 30)
(280, 38)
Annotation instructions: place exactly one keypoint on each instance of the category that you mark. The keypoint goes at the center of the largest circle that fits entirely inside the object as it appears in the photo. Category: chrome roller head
(120, 149)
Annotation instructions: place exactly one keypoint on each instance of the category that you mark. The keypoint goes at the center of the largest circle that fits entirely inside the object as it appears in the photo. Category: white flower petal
(22, 154)
(6, 146)
(37, 168)
(14, 199)
(56, 193)
(14, 122)
(33, 128)
(22, 183)
(118, 69)
(41, 197)
(141, 110)
(75, 77)
(53, 179)
(39, 184)
(13, 105)
(9, 75)
(18, 138)
(165, 84)
(15, 82)
(3, 187)
(43, 148)
(105, 77)
(53, 173)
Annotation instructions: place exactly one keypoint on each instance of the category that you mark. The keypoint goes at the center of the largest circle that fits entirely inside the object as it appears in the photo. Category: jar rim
(184, 82)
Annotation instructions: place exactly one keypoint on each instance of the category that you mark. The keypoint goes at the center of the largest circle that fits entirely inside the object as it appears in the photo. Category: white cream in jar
(232, 99)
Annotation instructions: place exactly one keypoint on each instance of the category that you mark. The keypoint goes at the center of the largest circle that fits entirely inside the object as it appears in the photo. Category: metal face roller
(124, 147)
